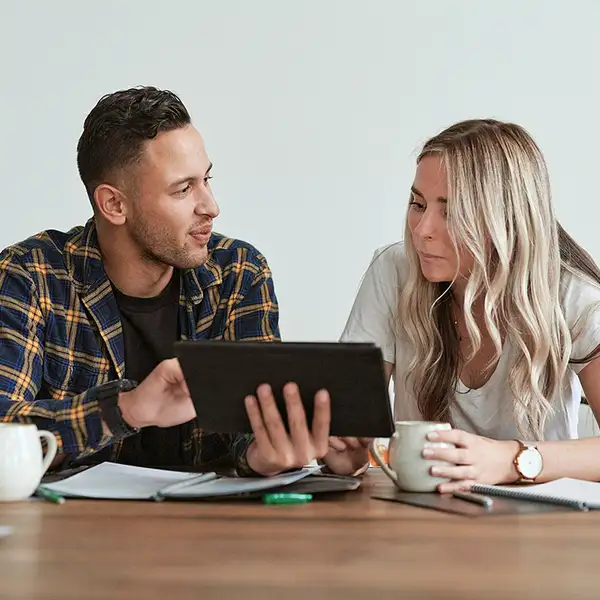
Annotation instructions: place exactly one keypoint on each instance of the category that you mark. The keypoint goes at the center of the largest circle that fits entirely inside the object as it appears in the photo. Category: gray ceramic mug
(408, 469)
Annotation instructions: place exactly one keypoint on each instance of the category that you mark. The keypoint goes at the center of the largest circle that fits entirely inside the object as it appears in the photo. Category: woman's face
(428, 226)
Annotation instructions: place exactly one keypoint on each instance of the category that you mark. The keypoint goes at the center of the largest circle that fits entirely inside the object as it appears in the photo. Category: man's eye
(184, 191)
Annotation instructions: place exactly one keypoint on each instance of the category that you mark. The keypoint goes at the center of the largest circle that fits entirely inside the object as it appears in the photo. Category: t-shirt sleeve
(581, 304)
(372, 316)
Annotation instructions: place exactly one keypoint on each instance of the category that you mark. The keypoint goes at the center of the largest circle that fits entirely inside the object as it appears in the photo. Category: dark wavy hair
(116, 129)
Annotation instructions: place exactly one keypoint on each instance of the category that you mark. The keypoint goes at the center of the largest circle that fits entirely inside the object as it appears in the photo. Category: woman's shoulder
(580, 301)
(578, 295)
(388, 262)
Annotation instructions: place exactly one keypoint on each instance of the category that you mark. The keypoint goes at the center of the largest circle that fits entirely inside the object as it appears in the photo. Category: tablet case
(220, 374)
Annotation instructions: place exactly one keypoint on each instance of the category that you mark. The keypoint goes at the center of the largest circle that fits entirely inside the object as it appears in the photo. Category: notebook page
(227, 486)
(575, 490)
(112, 481)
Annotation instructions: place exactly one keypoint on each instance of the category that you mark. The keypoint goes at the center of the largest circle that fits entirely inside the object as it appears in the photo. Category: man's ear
(110, 204)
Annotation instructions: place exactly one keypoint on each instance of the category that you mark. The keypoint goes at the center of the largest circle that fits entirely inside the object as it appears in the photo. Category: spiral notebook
(576, 493)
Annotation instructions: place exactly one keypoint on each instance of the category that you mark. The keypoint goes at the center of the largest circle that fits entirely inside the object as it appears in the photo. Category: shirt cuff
(240, 452)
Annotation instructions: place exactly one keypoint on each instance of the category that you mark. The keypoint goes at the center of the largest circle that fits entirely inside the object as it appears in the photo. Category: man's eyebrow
(416, 192)
(178, 182)
(189, 179)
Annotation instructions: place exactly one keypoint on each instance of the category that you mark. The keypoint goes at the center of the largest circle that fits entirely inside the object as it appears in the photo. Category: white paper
(112, 481)
(227, 486)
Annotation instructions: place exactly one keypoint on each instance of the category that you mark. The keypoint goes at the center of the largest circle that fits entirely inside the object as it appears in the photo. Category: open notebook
(583, 495)
(112, 481)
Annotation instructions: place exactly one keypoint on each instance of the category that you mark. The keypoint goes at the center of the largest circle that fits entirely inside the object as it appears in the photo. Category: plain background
(312, 112)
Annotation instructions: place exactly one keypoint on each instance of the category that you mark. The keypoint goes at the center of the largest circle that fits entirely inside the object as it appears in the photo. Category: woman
(488, 315)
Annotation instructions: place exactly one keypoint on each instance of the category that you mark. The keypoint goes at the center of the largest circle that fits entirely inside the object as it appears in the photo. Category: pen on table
(49, 495)
(475, 498)
(286, 498)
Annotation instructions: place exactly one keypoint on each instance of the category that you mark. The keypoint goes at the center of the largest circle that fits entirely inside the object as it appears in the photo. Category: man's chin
(193, 261)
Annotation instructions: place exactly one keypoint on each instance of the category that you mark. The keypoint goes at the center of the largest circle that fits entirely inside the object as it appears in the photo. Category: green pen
(286, 498)
(49, 495)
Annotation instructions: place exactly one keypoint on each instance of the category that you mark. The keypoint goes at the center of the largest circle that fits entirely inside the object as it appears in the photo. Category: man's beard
(159, 246)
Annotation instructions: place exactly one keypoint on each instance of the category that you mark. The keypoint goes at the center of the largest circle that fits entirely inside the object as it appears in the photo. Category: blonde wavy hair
(500, 211)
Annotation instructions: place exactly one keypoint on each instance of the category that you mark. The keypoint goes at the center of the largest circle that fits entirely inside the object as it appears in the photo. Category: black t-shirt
(150, 328)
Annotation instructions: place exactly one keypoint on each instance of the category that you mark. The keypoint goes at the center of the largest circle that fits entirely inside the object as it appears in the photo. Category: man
(88, 318)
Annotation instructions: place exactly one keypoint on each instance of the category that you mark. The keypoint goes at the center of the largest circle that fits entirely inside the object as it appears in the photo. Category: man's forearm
(75, 422)
(60, 458)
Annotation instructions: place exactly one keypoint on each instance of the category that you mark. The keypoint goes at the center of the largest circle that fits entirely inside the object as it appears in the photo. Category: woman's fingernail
(435, 471)
(427, 452)
(433, 436)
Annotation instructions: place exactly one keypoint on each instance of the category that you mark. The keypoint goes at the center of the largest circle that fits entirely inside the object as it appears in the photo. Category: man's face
(171, 211)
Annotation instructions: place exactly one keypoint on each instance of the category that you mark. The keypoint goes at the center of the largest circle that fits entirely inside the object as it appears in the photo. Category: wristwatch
(107, 396)
(528, 462)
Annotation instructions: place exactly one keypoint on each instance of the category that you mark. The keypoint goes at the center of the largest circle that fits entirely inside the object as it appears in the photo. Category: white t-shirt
(485, 411)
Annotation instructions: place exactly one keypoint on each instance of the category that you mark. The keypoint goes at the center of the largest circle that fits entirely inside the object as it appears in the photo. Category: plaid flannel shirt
(61, 334)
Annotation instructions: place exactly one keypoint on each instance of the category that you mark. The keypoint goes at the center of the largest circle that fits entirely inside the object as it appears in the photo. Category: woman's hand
(475, 459)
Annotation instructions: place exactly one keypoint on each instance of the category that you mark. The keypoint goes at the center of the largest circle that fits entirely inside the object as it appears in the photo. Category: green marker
(49, 495)
(286, 498)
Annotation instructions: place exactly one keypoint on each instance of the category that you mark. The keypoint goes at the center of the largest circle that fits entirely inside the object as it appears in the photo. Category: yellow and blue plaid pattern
(61, 334)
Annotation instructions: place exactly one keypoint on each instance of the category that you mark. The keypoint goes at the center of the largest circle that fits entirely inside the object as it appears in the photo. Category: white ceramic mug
(408, 468)
(22, 463)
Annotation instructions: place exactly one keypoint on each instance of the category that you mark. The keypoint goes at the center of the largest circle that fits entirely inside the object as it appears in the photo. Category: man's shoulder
(46, 249)
(227, 253)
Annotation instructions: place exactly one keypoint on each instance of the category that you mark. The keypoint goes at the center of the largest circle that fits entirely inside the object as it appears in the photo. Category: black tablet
(220, 374)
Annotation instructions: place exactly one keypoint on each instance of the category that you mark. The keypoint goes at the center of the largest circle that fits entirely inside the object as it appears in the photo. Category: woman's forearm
(579, 459)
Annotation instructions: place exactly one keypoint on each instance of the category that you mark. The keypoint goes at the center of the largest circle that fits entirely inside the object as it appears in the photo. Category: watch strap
(107, 396)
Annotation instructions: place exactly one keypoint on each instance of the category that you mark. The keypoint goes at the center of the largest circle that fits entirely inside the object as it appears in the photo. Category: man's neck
(129, 272)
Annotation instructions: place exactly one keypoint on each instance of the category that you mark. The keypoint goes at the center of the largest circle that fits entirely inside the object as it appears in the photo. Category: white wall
(312, 111)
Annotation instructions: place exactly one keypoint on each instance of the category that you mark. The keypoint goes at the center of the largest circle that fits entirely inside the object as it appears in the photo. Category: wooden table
(346, 547)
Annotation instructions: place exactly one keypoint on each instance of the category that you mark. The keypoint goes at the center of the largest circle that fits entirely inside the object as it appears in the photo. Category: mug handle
(51, 448)
(375, 454)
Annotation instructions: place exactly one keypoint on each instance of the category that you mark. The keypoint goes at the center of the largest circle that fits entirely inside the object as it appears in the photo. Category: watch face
(530, 463)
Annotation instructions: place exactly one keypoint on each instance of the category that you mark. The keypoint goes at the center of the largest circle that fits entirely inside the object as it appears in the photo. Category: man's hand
(274, 449)
(347, 455)
(162, 399)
